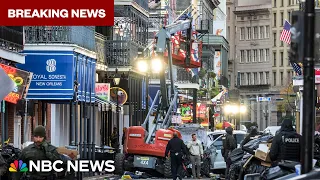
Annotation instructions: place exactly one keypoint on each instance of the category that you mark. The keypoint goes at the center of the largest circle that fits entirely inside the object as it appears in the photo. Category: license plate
(144, 162)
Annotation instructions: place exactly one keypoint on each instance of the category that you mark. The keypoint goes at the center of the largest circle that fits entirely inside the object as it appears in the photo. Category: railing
(83, 36)
(120, 52)
(183, 75)
(101, 49)
(11, 38)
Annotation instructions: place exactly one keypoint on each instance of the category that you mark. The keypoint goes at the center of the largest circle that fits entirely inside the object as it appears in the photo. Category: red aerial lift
(143, 149)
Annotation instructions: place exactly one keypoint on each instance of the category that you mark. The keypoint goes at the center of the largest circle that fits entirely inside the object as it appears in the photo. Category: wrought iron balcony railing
(11, 38)
(143, 3)
(120, 53)
(101, 49)
(83, 36)
(183, 75)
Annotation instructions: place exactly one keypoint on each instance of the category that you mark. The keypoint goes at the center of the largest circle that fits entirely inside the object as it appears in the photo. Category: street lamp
(235, 109)
(116, 81)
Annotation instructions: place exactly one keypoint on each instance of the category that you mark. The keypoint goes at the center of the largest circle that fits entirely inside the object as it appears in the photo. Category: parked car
(214, 146)
(272, 130)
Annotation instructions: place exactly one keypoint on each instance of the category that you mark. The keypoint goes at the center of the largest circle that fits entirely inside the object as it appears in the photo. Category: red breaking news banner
(58, 12)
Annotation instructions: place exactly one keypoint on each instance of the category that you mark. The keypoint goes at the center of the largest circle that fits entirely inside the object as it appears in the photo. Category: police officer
(229, 144)
(249, 137)
(286, 144)
(39, 150)
(177, 149)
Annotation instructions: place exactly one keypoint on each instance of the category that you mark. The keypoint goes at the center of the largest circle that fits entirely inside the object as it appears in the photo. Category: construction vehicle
(143, 149)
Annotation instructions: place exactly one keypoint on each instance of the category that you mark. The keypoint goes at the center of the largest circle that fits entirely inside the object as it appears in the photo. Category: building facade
(250, 56)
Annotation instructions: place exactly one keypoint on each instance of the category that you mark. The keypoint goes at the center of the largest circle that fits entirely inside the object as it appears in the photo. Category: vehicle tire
(205, 168)
(167, 168)
(119, 165)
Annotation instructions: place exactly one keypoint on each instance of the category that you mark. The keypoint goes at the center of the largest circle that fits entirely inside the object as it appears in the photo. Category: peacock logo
(18, 166)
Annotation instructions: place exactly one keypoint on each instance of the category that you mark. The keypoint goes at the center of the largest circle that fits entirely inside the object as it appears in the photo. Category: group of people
(285, 145)
(176, 148)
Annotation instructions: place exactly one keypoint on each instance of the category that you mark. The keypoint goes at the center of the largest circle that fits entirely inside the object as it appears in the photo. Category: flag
(285, 34)
(286, 37)
(297, 68)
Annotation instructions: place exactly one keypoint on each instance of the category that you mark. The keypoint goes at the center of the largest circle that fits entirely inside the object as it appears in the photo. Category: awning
(104, 105)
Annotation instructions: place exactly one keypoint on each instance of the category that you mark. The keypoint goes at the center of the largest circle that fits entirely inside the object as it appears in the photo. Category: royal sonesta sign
(22, 81)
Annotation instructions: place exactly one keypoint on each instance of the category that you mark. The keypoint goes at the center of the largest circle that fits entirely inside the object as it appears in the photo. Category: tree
(288, 98)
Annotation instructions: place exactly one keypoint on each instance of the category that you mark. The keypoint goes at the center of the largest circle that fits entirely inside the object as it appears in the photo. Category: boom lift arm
(165, 107)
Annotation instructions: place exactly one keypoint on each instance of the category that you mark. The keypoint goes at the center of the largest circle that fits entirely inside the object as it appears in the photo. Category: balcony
(141, 5)
(83, 36)
(101, 49)
(218, 42)
(11, 38)
(121, 53)
(183, 76)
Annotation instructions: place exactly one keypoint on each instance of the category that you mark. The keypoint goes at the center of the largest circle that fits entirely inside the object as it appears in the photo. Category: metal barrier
(315, 174)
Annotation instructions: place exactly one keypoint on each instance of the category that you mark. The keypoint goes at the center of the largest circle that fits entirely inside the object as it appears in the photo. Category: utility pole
(308, 88)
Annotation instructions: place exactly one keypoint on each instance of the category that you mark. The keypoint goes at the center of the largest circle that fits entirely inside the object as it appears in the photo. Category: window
(289, 76)
(228, 33)
(228, 13)
(261, 32)
(261, 77)
(274, 3)
(255, 78)
(274, 19)
(274, 78)
(281, 17)
(267, 31)
(274, 39)
(267, 55)
(281, 58)
(274, 59)
(281, 78)
(289, 16)
(281, 3)
(248, 78)
(248, 56)
(255, 32)
(242, 33)
(242, 56)
(248, 32)
(261, 55)
(241, 78)
(267, 77)
(281, 42)
(255, 55)
(289, 2)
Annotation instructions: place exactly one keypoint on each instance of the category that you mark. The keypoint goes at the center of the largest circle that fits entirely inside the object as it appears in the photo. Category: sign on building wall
(118, 94)
(217, 64)
(21, 81)
(103, 91)
(52, 75)
(6, 84)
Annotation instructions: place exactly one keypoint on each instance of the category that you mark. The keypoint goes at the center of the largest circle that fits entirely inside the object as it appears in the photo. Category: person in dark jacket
(115, 139)
(286, 144)
(39, 150)
(229, 144)
(177, 149)
(249, 137)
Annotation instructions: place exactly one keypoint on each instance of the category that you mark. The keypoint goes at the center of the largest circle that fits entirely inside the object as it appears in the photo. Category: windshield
(218, 142)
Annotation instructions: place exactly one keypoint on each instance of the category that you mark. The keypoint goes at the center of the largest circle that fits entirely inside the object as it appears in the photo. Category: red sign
(57, 13)
(20, 78)
(202, 113)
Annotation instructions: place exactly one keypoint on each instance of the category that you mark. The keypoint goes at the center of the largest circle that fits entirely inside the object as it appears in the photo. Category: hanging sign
(21, 80)
(103, 91)
(118, 94)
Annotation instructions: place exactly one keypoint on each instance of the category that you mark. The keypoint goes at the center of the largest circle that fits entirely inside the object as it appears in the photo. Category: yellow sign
(119, 95)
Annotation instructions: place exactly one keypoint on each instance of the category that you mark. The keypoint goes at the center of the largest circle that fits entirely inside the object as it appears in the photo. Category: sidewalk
(102, 177)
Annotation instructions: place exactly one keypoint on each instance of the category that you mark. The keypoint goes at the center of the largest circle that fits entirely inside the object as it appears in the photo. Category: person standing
(196, 154)
(115, 139)
(249, 137)
(286, 143)
(39, 150)
(177, 149)
(229, 144)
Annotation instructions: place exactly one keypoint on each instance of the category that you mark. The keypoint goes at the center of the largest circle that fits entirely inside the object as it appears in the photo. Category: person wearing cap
(39, 150)
(115, 139)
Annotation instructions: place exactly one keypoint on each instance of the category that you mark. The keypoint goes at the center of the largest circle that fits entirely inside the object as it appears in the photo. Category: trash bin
(255, 176)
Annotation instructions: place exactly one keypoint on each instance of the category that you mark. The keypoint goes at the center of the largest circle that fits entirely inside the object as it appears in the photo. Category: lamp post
(116, 81)
(234, 109)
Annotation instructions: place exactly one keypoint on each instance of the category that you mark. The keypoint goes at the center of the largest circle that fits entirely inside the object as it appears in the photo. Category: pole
(194, 108)
(170, 66)
(147, 100)
(3, 121)
(25, 123)
(308, 88)
(118, 117)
